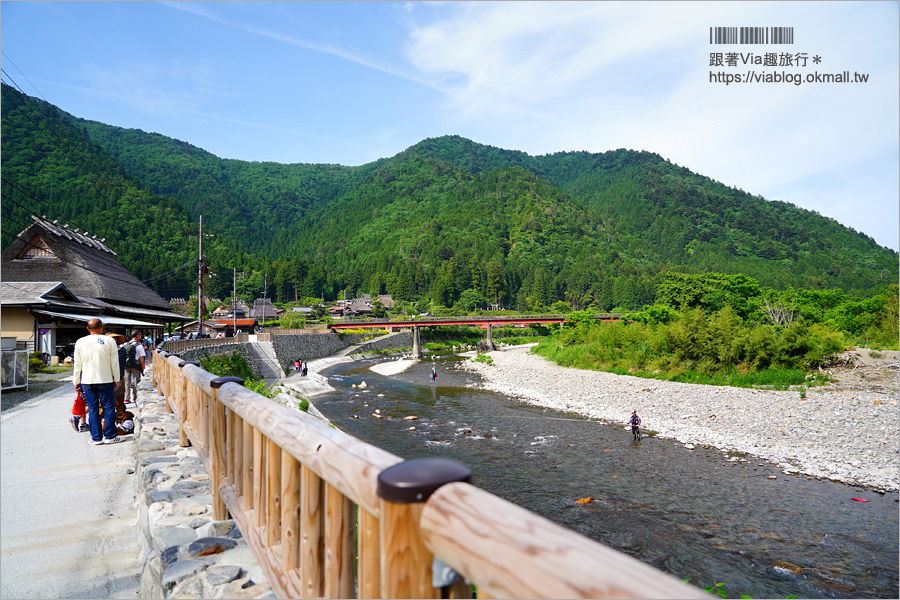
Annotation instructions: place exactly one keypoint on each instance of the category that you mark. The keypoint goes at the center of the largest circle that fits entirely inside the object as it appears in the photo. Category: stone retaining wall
(400, 340)
(241, 348)
(184, 552)
(289, 348)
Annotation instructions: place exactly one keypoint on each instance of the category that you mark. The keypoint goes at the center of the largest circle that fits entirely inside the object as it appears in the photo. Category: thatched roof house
(264, 310)
(50, 251)
(48, 255)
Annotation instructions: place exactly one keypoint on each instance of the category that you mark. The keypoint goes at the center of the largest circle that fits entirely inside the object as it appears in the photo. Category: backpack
(130, 355)
(635, 420)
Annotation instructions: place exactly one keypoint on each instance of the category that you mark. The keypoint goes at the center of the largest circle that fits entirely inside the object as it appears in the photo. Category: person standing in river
(635, 421)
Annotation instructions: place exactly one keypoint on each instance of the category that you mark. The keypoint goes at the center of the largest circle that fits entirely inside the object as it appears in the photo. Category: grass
(484, 358)
(586, 357)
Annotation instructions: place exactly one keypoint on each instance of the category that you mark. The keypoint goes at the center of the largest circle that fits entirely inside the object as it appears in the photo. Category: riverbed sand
(393, 367)
(845, 435)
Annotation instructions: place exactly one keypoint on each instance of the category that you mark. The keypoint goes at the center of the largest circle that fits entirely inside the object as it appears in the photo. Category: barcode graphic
(751, 35)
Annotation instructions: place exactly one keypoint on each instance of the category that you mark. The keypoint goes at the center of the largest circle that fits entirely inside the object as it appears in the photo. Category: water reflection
(699, 514)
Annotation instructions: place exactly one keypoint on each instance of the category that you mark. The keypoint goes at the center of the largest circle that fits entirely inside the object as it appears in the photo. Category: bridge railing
(476, 319)
(328, 515)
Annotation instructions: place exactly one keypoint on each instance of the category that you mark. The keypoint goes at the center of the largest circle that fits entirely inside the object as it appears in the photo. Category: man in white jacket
(96, 373)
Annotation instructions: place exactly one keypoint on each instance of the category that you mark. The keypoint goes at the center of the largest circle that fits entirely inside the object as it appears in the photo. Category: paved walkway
(68, 521)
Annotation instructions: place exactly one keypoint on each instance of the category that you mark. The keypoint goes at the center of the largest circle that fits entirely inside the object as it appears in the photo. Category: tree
(378, 310)
(470, 299)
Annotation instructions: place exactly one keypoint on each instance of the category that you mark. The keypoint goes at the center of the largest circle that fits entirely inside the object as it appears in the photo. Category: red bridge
(482, 321)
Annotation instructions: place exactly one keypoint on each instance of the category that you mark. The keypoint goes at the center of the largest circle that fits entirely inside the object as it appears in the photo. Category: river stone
(165, 496)
(169, 555)
(217, 529)
(149, 446)
(189, 588)
(221, 574)
(178, 571)
(150, 576)
(197, 523)
(190, 485)
(149, 475)
(206, 546)
(172, 536)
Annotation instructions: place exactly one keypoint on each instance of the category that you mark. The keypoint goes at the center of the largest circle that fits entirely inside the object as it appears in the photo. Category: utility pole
(201, 286)
(234, 302)
(200, 294)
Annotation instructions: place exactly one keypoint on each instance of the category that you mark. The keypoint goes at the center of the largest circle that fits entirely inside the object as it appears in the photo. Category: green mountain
(445, 216)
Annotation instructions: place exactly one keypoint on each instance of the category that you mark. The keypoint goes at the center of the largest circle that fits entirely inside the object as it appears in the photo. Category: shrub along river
(693, 513)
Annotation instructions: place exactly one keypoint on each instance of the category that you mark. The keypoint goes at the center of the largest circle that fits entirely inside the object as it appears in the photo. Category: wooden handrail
(293, 485)
(513, 553)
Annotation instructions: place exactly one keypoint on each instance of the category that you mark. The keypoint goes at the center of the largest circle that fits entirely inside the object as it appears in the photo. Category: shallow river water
(691, 513)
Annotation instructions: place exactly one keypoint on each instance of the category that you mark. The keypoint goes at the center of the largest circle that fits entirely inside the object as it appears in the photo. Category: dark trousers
(97, 395)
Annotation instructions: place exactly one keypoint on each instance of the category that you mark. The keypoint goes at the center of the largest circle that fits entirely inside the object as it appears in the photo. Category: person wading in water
(635, 421)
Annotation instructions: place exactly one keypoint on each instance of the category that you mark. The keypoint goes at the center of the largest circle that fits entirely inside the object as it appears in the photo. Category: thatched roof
(50, 251)
(263, 309)
(24, 293)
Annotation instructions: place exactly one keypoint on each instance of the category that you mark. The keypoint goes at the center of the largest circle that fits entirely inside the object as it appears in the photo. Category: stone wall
(184, 552)
(289, 348)
(393, 342)
(241, 348)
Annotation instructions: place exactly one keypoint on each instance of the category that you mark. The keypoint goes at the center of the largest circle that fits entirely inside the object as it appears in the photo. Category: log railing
(330, 516)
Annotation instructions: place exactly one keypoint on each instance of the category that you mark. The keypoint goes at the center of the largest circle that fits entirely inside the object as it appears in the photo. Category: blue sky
(351, 82)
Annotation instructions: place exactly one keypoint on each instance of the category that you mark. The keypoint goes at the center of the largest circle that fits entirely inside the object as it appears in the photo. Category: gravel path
(849, 436)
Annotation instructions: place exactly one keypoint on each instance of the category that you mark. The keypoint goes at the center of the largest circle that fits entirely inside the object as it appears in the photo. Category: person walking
(96, 375)
(134, 365)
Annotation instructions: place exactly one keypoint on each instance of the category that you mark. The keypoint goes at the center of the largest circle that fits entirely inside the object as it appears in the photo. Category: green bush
(695, 346)
(227, 365)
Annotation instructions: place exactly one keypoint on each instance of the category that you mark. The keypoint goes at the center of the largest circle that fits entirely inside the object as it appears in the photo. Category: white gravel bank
(847, 436)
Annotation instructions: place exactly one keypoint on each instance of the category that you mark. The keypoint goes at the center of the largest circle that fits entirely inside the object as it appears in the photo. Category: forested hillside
(445, 219)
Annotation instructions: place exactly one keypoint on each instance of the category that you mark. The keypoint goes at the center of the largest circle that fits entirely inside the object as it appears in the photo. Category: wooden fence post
(311, 534)
(369, 556)
(403, 489)
(182, 403)
(217, 443)
(290, 512)
(338, 544)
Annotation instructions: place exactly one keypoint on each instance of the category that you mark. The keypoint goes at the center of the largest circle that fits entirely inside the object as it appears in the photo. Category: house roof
(236, 322)
(50, 251)
(263, 309)
(38, 292)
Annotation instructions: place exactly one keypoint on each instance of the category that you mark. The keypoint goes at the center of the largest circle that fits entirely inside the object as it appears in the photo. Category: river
(699, 514)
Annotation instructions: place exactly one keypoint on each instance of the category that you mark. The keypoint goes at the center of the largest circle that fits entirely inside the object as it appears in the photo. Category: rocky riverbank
(848, 435)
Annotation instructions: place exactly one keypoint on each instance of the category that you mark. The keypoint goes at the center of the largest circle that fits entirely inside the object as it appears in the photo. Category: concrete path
(264, 357)
(68, 522)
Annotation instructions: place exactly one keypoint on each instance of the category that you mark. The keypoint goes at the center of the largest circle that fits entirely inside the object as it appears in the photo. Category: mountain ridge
(429, 221)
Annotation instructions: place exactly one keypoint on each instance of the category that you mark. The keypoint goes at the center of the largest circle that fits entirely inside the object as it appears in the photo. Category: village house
(263, 310)
(56, 278)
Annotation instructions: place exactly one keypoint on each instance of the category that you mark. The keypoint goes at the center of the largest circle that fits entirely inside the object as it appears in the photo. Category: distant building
(241, 325)
(263, 310)
(362, 306)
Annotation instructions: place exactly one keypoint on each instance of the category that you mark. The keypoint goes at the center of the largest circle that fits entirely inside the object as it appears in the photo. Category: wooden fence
(328, 515)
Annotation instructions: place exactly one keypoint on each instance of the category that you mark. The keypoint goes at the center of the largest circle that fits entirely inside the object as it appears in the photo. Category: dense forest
(447, 221)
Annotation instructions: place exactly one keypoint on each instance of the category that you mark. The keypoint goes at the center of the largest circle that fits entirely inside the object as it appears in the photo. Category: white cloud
(599, 76)
(169, 87)
(349, 54)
